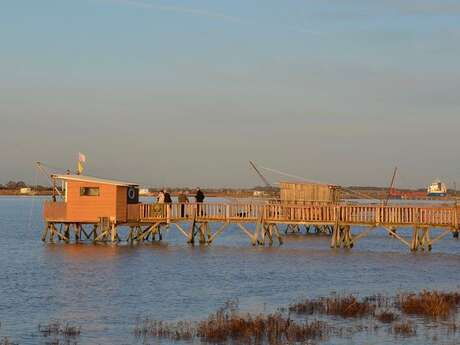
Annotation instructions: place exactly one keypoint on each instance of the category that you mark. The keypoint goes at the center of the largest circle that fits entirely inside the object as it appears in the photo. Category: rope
(290, 175)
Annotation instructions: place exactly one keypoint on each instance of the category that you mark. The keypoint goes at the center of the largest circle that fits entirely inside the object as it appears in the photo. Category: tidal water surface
(105, 288)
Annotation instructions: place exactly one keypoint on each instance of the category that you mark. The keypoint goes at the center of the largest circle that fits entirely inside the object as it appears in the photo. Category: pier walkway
(261, 222)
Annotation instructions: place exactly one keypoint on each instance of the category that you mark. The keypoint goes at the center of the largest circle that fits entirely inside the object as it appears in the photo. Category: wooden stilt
(248, 233)
(76, 232)
(202, 229)
(45, 232)
(415, 239)
(218, 232)
(392, 231)
(192, 233)
(95, 227)
(278, 234)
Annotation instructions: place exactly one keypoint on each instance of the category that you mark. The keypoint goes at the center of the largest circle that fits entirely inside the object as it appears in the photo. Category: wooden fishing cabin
(306, 192)
(85, 199)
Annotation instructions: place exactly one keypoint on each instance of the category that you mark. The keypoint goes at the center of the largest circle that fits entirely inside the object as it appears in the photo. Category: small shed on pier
(301, 192)
(89, 199)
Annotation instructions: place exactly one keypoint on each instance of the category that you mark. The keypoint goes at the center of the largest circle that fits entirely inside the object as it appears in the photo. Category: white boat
(437, 188)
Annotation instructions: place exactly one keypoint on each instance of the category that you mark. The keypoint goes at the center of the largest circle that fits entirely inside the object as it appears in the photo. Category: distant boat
(437, 188)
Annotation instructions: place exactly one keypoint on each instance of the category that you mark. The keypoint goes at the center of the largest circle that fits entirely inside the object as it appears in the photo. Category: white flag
(81, 157)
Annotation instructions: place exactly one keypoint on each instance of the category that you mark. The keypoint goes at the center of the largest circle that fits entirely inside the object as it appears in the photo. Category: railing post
(455, 217)
(168, 213)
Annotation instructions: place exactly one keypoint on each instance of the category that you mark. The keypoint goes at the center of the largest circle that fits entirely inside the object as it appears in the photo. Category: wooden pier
(205, 222)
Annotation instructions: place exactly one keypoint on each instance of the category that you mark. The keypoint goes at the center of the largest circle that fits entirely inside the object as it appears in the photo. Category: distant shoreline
(377, 193)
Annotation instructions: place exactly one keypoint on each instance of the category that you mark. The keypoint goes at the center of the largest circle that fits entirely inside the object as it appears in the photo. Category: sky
(185, 93)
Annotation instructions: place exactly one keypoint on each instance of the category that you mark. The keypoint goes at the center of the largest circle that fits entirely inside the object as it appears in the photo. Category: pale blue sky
(186, 92)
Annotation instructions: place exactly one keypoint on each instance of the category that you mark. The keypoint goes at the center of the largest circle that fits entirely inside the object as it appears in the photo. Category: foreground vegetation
(311, 320)
(308, 321)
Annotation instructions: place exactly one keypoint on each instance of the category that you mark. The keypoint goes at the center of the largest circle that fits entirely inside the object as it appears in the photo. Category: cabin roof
(307, 183)
(92, 179)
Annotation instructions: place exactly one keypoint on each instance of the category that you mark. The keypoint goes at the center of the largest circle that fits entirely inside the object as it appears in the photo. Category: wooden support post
(45, 232)
(83, 231)
(94, 232)
(160, 235)
(55, 231)
(218, 232)
(278, 233)
(262, 241)
(347, 238)
(208, 233)
(270, 234)
(192, 226)
(139, 233)
(415, 239)
(248, 233)
(113, 232)
(392, 231)
(181, 230)
(203, 230)
(256, 240)
(336, 240)
(67, 231)
(76, 232)
(191, 238)
(425, 240)
(51, 233)
(130, 238)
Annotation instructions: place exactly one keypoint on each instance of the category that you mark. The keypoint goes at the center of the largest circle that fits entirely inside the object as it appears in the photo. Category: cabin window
(89, 191)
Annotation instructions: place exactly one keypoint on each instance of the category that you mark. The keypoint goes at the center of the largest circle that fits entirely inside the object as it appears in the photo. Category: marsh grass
(344, 306)
(405, 329)
(386, 316)
(183, 330)
(259, 329)
(433, 304)
(58, 328)
(227, 325)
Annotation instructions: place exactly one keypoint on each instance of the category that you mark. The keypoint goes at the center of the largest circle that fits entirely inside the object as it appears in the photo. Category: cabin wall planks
(297, 192)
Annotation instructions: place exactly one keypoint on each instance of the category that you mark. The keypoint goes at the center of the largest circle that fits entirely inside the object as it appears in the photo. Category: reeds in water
(345, 306)
(259, 329)
(183, 330)
(386, 316)
(228, 326)
(406, 329)
(430, 303)
(58, 328)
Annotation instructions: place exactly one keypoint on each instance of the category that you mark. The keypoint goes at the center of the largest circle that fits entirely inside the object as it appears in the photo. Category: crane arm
(262, 177)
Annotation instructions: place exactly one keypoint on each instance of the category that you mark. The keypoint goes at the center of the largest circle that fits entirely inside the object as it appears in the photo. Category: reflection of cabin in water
(88, 200)
(301, 192)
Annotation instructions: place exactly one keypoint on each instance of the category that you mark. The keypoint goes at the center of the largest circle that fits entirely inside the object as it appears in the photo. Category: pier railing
(397, 215)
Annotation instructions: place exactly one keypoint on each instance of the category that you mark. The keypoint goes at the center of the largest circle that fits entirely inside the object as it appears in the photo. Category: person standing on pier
(168, 199)
(182, 199)
(161, 197)
(168, 203)
(199, 197)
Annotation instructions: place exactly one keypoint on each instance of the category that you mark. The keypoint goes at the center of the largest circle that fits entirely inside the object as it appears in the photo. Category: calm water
(105, 288)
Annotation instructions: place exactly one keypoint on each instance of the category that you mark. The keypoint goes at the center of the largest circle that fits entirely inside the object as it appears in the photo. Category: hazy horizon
(185, 93)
